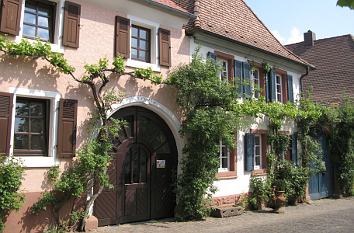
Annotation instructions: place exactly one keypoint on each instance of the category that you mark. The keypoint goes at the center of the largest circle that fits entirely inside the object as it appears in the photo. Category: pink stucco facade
(96, 41)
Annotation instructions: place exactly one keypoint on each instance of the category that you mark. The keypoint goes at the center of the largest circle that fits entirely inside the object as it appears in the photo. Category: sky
(289, 19)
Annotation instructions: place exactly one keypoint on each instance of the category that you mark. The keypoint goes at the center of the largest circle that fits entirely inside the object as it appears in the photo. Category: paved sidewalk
(325, 216)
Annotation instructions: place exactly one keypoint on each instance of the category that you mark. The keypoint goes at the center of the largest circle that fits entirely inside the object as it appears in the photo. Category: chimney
(309, 38)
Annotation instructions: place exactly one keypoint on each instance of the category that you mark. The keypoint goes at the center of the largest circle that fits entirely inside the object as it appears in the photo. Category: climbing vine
(93, 159)
(11, 174)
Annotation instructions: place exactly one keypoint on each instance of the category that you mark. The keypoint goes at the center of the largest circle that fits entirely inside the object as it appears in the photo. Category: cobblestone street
(325, 216)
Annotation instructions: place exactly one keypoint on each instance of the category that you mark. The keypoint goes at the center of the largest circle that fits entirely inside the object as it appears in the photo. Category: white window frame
(278, 77)
(256, 167)
(154, 46)
(58, 26)
(223, 73)
(54, 98)
(221, 157)
(255, 89)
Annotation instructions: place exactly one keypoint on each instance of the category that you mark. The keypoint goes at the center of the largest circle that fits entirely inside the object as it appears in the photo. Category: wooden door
(321, 184)
(143, 171)
(134, 185)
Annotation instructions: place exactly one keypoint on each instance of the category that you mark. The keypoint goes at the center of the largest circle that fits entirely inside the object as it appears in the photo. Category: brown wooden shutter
(264, 140)
(67, 128)
(71, 34)
(122, 37)
(285, 88)
(5, 122)
(10, 16)
(165, 47)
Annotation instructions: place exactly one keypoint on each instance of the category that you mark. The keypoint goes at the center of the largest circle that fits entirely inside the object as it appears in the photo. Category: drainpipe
(303, 76)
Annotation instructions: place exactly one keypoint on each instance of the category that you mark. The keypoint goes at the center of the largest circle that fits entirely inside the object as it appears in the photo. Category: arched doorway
(143, 171)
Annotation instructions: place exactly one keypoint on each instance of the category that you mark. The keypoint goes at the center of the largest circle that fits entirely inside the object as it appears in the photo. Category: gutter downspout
(303, 76)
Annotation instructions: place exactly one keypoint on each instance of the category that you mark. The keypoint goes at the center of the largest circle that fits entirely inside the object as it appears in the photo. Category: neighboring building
(333, 78)
(41, 110)
(233, 35)
(329, 83)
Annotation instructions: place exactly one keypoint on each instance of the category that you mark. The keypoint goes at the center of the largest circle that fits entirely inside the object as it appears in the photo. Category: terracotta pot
(280, 201)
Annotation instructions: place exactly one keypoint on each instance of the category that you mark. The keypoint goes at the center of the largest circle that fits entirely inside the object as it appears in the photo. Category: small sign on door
(160, 163)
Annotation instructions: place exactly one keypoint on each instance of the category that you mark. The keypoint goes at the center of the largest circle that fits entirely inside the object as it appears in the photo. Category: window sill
(259, 172)
(37, 161)
(226, 175)
(143, 65)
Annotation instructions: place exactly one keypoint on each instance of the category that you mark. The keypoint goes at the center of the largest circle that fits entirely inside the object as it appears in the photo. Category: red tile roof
(333, 77)
(234, 20)
(172, 4)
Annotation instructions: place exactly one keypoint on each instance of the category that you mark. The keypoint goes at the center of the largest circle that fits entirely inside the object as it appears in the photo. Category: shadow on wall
(27, 72)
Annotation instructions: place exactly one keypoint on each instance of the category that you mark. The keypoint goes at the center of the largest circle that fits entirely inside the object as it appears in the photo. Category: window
(224, 157)
(39, 20)
(31, 127)
(278, 88)
(140, 44)
(257, 152)
(224, 73)
(256, 83)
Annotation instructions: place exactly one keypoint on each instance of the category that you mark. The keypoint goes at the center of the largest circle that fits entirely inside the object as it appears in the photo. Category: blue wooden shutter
(211, 56)
(249, 152)
(290, 89)
(246, 80)
(238, 77)
(267, 87)
(273, 86)
(294, 148)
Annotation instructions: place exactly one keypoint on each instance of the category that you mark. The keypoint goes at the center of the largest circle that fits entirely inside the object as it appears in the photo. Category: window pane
(142, 44)
(30, 8)
(127, 170)
(224, 163)
(21, 109)
(258, 150)
(37, 142)
(43, 21)
(43, 33)
(134, 32)
(134, 43)
(43, 11)
(134, 53)
(21, 141)
(29, 18)
(143, 34)
(37, 125)
(258, 161)
(142, 55)
(135, 165)
(21, 125)
(257, 139)
(29, 31)
(37, 109)
(224, 152)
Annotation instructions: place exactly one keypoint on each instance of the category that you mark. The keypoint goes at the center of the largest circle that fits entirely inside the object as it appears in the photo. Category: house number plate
(160, 163)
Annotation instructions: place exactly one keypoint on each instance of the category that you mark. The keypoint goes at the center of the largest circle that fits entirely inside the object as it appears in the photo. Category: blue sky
(289, 19)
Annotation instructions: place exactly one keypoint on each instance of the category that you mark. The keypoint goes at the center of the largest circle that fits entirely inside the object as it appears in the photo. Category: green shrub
(11, 175)
(260, 192)
(291, 179)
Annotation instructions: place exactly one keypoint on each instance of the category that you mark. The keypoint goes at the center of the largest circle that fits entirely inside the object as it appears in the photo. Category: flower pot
(279, 202)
